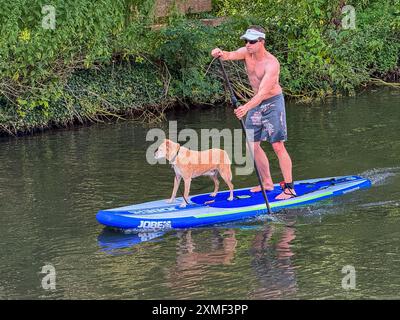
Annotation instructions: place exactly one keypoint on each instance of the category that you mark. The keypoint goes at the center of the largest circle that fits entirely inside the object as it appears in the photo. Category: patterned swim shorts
(267, 122)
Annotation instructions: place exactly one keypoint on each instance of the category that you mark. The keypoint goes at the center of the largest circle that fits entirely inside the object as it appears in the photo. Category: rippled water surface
(53, 184)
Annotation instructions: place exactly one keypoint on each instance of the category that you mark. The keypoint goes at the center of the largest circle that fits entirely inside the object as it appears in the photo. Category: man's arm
(239, 54)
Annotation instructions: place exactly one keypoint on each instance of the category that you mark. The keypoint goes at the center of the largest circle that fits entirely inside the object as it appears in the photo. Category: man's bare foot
(286, 194)
(258, 188)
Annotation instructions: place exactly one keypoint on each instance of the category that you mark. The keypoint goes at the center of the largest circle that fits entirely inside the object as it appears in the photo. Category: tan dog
(189, 164)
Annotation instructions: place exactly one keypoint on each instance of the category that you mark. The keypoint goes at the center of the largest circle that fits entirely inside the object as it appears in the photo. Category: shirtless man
(266, 110)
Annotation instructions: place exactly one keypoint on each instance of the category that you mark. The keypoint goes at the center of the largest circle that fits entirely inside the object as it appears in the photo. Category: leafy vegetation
(105, 58)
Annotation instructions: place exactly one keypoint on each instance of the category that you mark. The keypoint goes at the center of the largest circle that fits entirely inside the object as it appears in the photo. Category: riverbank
(108, 63)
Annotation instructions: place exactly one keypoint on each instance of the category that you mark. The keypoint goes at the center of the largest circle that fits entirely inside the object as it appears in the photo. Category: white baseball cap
(252, 34)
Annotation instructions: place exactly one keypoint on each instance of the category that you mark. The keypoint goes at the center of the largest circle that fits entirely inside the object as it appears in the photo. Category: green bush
(317, 56)
(185, 48)
(104, 58)
(36, 63)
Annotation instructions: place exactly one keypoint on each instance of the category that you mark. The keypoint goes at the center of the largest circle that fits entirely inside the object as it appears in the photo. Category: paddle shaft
(235, 105)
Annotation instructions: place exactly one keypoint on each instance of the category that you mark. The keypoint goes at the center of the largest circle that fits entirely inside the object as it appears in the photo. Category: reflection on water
(270, 256)
(272, 263)
(115, 243)
(195, 257)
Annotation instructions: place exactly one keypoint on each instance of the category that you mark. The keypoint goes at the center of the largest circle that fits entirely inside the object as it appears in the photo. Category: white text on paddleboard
(154, 225)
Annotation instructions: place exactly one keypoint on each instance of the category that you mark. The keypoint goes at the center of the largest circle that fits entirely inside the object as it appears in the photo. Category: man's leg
(263, 167)
(285, 164)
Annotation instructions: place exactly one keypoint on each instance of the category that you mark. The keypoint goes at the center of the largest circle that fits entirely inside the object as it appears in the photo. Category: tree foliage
(94, 39)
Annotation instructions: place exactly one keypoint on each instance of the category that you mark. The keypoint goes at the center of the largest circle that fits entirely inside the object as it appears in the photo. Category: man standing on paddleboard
(266, 116)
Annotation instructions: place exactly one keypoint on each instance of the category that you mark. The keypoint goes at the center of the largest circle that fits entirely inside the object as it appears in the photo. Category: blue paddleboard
(205, 210)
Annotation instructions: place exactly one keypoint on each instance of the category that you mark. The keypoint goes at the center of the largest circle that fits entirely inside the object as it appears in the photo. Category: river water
(52, 185)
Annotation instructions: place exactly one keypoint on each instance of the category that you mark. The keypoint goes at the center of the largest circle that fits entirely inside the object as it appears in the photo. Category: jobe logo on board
(154, 225)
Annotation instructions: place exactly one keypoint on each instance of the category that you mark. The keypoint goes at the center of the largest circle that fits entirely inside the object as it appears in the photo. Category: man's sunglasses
(250, 41)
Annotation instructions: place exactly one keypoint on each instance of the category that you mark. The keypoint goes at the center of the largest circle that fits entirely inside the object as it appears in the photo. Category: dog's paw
(172, 200)
(214, 194)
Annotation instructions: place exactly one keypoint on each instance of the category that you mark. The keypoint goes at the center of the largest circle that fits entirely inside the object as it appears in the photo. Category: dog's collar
(175, 156)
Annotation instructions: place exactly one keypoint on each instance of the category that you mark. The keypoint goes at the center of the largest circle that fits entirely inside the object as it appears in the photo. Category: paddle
(236, 104)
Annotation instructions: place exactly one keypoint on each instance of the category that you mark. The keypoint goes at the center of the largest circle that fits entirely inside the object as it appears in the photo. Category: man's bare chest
(255, 69)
